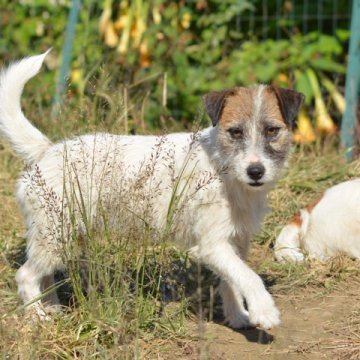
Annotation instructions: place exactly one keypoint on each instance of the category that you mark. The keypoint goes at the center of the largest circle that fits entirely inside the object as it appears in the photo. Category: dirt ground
(320, 319)
(307, 330)
(314, 326)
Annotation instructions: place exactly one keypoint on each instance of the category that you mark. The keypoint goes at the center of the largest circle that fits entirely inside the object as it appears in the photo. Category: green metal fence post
(352, 82)
(66, 55)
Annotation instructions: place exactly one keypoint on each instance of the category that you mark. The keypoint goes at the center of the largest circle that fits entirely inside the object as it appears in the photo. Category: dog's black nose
(256, 171)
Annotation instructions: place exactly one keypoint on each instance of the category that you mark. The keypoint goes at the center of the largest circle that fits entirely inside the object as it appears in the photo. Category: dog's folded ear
(214, 103)
(290, 102)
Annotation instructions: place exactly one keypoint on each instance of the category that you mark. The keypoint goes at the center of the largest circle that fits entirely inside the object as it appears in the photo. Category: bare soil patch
(316, 324)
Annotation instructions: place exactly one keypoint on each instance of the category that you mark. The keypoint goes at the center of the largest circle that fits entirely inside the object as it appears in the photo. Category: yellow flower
(186, 20)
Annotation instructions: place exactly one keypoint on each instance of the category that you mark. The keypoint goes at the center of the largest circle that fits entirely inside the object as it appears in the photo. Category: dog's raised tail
(27, 141)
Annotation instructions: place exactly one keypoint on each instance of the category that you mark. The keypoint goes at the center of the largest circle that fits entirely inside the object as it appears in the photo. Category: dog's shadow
(256, 335)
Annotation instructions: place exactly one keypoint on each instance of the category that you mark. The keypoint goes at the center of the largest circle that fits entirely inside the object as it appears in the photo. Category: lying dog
(328, 227)
(241, 157)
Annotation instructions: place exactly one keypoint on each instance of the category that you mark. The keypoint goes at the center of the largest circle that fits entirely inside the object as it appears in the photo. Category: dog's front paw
(264, 313)
(283, 255)
(235, 314)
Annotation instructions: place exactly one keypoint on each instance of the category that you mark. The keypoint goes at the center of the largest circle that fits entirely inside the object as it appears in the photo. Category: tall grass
(119, 264)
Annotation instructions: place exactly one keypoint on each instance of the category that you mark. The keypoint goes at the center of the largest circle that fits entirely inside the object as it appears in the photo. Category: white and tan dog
(241, 157)
(328, 227)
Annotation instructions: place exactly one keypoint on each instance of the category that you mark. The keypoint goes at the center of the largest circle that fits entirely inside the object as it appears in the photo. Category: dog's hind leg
(42, 213)
(30, 282)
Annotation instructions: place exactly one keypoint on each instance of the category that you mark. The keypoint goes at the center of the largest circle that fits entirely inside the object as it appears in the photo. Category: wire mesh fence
(279, 19)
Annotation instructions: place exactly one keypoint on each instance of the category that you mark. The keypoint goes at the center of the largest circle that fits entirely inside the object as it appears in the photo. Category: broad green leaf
(328, 65)
(343, 34)
(302, 85)
(329, 44)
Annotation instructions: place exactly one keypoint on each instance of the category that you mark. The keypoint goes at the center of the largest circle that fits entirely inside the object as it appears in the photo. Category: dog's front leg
(235, 314)
(225, 262)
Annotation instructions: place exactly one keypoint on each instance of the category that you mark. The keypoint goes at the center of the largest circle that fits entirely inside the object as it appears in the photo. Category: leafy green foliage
(264, 61)
(195, 43)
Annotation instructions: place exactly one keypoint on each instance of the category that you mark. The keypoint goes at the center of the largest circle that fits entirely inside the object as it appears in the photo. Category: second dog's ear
(214, 103)
(290, 102)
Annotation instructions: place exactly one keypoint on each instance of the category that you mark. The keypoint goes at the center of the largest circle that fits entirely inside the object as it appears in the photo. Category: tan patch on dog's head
(244, 103)
(289, 103)
(239, 105)
(270, 105)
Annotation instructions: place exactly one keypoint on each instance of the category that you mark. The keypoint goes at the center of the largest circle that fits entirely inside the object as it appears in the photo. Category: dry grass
(82, 332)
(95, 328)
(346, 342)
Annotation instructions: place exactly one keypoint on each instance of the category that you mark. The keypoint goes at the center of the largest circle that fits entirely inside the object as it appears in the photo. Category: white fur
(287, 244)
(258, 100)
(255, 153)
(26, 140)
(332, 227)
(217, 220)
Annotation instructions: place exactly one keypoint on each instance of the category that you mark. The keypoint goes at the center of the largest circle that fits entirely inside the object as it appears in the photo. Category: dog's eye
(236, 133)
(271, 131)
